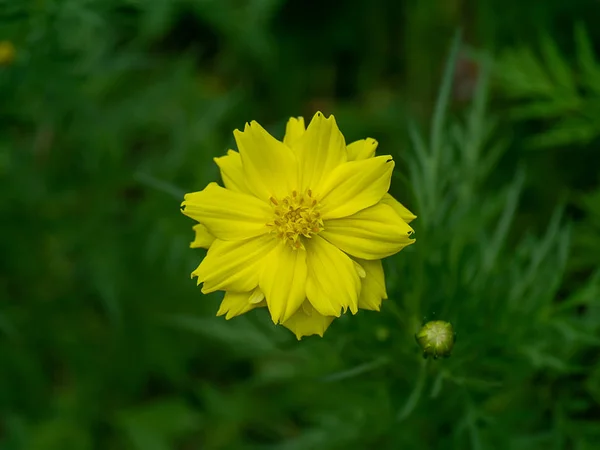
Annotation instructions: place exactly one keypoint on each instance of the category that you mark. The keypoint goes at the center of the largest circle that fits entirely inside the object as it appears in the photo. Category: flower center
(294, 216)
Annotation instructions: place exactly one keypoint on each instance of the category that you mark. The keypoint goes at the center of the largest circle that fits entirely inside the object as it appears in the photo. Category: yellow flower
(300, 227)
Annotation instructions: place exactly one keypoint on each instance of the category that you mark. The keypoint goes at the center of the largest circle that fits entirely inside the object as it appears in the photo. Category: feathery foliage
(111, 110)
(563, 94)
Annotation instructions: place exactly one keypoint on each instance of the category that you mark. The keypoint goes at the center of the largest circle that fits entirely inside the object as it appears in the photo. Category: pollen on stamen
(296, 217)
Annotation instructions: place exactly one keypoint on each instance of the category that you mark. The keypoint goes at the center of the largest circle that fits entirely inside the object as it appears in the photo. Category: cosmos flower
(300, 226)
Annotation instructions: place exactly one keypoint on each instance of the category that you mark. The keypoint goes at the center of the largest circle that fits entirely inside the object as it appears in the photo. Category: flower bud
(436, 338)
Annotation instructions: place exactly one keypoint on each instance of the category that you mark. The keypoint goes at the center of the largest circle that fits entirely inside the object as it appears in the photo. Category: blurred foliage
(111, 110)
(561, 94)
(551, 89)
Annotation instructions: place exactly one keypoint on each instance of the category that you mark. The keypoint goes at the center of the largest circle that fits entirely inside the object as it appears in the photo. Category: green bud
(436, 338)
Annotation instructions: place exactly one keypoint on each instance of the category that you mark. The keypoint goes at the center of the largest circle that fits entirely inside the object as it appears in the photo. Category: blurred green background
(110, 110)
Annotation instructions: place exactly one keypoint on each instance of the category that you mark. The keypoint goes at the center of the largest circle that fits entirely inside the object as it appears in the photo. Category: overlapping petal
(373, 233)
(320, 149)
(234, 265)
(373, 290)
(232, 172)
(333, 283)
(307, 321)
(355, 185)
(270, 167)
(227, 214)
(283, 280)
(363, 149)
(237, 303)
(400, 209)
(203, 238)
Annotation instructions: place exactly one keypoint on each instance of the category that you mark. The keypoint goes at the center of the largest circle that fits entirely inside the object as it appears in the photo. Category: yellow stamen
(296, 217)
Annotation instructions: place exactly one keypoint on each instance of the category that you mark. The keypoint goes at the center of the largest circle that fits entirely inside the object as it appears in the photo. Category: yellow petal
(270, 167)
(293, 131)
(373, 285)
(257, 297)
(320, 149)
(307, 321)
(228, 215)
(360, 270)
(234, 265)
(333, 283)
(283, 281)
(372, 233)
(355, 185)
(203, 237)
(237, 303)
(400, 209)
(363, 149)
(232, 172)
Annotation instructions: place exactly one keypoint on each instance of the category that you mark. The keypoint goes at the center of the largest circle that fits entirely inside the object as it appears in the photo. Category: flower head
(300, 226)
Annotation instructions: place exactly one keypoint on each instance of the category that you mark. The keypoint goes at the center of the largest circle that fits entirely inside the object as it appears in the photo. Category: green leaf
(547, 109)
(441, 104)
(566, 132)
(157, 425)
(558, 67)
(586, 59)
(241, 334)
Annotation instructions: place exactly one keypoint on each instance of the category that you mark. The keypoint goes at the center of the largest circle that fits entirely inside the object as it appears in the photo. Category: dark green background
(113, 109)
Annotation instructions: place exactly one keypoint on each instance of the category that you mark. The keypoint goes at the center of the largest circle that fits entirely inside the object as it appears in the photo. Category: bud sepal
(436, 339)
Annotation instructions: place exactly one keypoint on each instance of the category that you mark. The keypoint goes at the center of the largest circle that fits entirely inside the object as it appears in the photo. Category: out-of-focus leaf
(157, 425)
